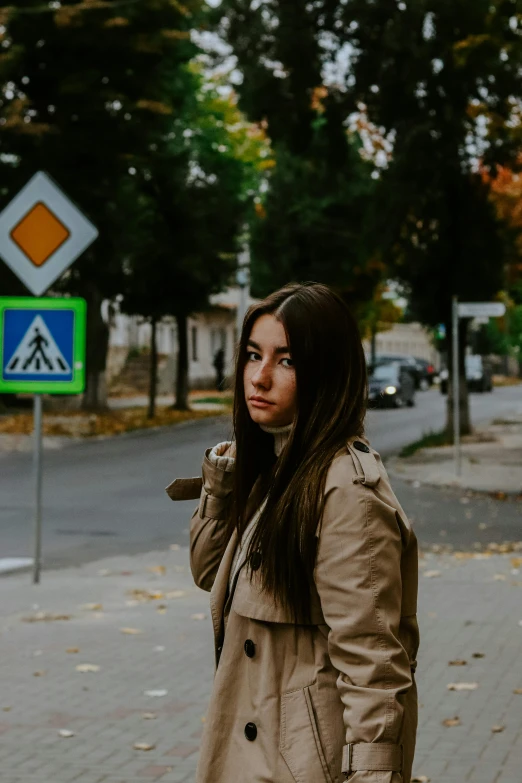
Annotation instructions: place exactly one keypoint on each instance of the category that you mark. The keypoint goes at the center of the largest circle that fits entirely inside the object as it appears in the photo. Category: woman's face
(269, 377)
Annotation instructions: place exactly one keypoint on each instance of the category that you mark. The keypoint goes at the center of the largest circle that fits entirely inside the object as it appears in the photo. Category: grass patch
(84, 425)
(213, 400)
(431, 439)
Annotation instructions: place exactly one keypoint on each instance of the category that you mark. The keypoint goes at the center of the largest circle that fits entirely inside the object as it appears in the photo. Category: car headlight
(390, 390)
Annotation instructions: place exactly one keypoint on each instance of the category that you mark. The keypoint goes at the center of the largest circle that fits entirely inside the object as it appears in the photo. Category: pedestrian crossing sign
(42, 345)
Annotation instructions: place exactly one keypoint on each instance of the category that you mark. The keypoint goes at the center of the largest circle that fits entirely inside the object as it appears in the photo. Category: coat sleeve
(358, 578)
(208, 523)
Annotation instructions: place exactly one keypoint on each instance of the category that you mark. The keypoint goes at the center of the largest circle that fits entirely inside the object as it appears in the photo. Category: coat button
(361, 446)
(251, 731)
(250, 648)
(255, 561)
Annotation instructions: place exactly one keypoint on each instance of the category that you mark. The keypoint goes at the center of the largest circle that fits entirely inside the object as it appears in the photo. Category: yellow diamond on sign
(39, 234)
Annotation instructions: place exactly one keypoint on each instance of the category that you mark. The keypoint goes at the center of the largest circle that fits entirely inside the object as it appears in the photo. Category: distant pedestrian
(219, 366)
(311, 563)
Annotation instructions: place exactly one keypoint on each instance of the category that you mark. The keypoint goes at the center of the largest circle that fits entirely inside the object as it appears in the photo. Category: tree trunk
(181, 403)
(95, 396)
(465, 421)
(153, 378)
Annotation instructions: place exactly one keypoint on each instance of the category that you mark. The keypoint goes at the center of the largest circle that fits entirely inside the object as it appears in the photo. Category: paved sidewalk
(467, 607)
(491, 460)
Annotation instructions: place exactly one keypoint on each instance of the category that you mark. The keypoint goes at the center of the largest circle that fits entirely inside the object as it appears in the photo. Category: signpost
(42, 341)
(466, 310)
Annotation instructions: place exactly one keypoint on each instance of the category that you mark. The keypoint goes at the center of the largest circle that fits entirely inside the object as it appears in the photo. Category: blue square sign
(42, 345)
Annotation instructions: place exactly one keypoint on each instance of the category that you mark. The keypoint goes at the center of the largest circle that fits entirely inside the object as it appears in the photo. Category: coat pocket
(300, 743)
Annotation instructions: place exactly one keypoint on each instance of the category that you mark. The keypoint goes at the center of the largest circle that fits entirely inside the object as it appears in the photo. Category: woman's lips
(260, 402)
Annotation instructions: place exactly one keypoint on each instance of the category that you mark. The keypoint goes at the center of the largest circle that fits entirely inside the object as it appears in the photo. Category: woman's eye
(252, 356)
(287, 362)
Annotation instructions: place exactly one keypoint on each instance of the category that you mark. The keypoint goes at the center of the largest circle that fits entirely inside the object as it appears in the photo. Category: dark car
(479, 375)
(391, 386)
(408, 362)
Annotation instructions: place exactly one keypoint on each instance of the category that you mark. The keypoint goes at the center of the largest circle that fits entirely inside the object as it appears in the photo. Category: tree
(188, 227)
(441, 79)
(88, 86)
(311, 224)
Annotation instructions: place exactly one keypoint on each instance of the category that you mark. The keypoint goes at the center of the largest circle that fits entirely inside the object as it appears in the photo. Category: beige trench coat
(335, 698)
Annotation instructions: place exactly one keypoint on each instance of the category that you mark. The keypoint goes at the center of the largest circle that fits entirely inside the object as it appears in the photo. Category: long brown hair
(331, 383)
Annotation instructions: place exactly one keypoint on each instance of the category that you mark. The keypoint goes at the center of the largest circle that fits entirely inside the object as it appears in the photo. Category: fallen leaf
(462, 686)
(40, 673)
(457, 662)
(159, 569)
(146, 595)
(464, 501)
(143, 746)
(45, 617)
(497, 729)
(517, 690)
(92, 607)
(199, 616)
(478, 655)
(130, 631)
(161, 609)
(452, 722)
(174, 547)
(157, 694)
(175, 594)
(431, 574)
(8, 709)
(420, 779)
(482, 526)
(87, 667)
(72, 650)
(149, 716)
(66, 733)
(516, 562)
(500, 577)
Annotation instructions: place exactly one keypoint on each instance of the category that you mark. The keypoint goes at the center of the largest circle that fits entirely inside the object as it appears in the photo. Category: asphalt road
(106, 497)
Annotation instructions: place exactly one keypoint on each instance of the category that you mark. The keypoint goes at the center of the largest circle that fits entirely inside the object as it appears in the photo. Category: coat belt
(372, 756)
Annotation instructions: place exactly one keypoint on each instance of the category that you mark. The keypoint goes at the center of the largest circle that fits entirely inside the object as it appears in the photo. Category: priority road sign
(42, 232)
(42, 345)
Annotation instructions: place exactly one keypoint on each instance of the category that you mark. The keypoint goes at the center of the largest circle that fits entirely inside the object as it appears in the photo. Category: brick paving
(473, 606)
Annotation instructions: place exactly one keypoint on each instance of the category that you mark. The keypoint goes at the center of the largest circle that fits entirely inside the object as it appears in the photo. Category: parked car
(407, 361)
(391, 385)
(479, 375)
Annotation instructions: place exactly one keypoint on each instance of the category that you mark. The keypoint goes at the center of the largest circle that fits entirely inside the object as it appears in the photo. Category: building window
(194, 331)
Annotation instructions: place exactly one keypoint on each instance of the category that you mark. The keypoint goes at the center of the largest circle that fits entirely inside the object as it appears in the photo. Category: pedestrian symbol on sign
(38, 353)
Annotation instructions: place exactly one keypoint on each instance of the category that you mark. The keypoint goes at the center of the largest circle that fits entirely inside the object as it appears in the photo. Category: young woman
(311, 564)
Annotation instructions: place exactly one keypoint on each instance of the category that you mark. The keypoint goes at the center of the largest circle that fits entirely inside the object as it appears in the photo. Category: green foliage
(186, 227)
(312, 221)
(441, 77)
(430, 440)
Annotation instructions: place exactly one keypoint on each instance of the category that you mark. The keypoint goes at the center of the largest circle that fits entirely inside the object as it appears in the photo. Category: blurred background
(223, 149)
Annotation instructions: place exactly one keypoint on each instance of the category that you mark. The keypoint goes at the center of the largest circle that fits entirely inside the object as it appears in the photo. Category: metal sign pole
(38, 487)
(456, 389)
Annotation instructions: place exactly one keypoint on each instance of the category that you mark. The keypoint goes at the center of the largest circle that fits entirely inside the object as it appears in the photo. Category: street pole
(456, 390)
(38, 487)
